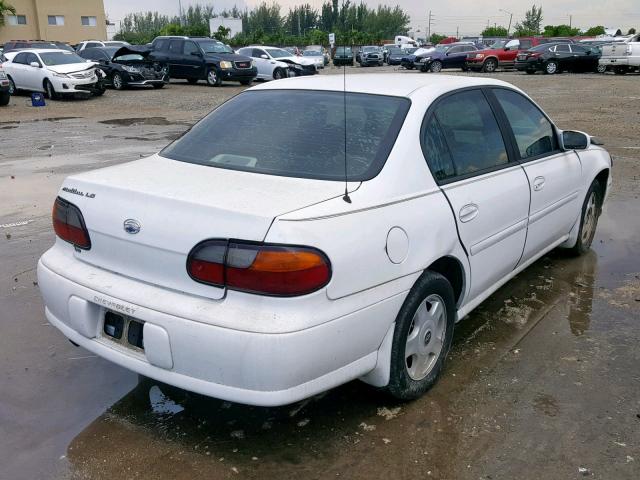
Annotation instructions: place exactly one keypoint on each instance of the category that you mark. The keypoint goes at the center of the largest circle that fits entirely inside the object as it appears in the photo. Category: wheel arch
(453, 270)
(603, 178)
(491, 57)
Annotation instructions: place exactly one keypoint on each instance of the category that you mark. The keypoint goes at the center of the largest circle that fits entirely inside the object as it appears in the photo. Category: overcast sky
(470, 16)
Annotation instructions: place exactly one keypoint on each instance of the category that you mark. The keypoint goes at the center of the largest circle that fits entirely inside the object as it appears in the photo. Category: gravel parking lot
(543, 380)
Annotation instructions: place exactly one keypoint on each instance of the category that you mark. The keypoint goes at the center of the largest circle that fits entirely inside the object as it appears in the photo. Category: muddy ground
(543, 380)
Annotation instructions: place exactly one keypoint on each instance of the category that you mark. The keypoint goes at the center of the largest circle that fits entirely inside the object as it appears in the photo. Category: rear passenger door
(562, 54)
(554, 176)
(17, 69)
(177, 68)
(193, 60)
(488, 191)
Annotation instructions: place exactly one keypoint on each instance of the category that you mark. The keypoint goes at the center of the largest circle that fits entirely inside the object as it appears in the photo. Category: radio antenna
(346, 196)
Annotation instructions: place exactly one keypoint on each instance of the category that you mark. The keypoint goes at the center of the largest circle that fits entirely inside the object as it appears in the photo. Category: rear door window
(436, 151)
(190, 47)
(175, 46)
(472, 133)
(268, 132)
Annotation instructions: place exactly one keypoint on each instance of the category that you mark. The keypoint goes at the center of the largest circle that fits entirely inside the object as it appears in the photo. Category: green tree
(593, 31)
(222, 34)
(494, 32)
(5, 8)
(436, 38)
(531, 23)
(560, 31)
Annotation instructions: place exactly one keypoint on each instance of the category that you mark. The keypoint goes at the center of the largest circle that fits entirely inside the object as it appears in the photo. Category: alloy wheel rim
(12, 87)
(551, 67)
(212, 77)
(49, 90)
(589, 219)
(491, 66)
(117, 82)
(425, 339)
(436, 67)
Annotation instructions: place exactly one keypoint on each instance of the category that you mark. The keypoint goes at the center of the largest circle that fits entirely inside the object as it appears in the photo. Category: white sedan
(275, 63)
(54, 72)
(266, 266)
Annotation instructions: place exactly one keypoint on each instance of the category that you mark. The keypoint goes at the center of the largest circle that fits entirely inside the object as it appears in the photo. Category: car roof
(394, 84)
(43, 50)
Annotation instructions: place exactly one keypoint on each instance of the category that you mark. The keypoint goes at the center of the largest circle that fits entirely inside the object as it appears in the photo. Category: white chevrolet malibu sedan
(233, 263)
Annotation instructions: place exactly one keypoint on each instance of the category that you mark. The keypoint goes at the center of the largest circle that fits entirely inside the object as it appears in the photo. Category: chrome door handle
(468, 212)
(538, 183)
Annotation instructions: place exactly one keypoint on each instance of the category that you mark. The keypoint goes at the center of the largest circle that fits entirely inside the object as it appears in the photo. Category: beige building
(62, 20)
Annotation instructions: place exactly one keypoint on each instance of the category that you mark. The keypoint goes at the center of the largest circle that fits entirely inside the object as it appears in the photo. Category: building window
(17, 19)
(88, 21)
(57, 20)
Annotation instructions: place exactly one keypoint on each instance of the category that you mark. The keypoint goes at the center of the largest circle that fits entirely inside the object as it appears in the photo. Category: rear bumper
(257, 368)
(612, 61)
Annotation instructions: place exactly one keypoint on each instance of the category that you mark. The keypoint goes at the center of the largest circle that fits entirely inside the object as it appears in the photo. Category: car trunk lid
(177, 205)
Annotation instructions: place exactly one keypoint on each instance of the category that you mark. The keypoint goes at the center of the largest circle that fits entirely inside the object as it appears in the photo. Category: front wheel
(49, 91)
(591, 209)
(490, 65)
(213, 79)
(117, 81)
(279, 74)
(422, 337)
(12, 87)
(436, 66)
(601, 68)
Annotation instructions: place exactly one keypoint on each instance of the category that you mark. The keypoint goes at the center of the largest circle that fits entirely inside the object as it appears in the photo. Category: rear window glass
(296, 133)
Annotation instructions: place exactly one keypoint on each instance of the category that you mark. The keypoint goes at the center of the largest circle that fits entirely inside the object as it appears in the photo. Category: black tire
(410, 67)
(551, 67)
(246, 83)
(490, 65)
(213, 78)
(192, 81)
(279, 74)
(98, 92)
(49, 91)
(530, 72)
(158, 86)
(4, 98)
(12, 86)
(402, 383)
(588, 219)
(117, 81)
(620, 70)
(436, 66)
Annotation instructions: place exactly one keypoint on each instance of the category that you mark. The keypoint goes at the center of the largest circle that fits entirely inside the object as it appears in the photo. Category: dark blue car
(452, 55)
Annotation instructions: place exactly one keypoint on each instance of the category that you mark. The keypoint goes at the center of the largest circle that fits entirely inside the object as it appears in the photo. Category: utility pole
(429, 28)
(298, 22)
(570, 20)
(510, 19)
(458, 32)
(180, 11)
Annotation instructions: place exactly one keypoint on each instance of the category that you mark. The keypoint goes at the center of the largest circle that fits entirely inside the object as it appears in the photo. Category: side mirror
(265, 56)
(196, 54)
(506, 49)
(573, 140)
(35, 65)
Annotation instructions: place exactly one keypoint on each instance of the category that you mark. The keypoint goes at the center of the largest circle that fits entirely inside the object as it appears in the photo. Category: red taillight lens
(279, 270)
(533, 55)
(68, 224)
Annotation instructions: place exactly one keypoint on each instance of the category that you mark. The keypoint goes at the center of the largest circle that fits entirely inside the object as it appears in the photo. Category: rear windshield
(296, 133)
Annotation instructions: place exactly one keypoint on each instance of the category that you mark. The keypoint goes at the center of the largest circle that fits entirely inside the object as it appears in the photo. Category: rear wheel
(490, 65)
(49, 91)
(591, 209)
(551, 67)
(530, 72)
(601, 68)
(4, 98)
(192, 81)
(422, 337)
(620, 70)
(436, 66)
(117, 81)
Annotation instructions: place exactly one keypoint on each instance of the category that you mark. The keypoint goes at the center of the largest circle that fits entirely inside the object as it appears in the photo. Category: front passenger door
(554, 176)
(487, 191)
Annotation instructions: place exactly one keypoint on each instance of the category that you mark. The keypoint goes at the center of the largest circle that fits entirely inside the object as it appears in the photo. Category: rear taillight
(69, 224)
(533, 55)
(265, 269)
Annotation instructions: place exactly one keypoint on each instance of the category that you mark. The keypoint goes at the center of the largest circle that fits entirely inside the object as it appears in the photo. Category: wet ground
(543, 380)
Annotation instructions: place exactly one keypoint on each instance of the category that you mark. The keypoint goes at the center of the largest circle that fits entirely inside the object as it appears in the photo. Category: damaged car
(56, 73)
(276, 63)
(128, 66)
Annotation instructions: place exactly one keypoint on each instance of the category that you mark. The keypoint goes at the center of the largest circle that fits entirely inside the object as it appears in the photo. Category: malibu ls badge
(131, 226)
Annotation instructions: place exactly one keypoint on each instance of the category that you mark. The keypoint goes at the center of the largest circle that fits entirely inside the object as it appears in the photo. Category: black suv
(202, 58)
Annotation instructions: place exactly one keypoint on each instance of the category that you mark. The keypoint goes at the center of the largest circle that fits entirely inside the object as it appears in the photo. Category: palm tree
(5, 8)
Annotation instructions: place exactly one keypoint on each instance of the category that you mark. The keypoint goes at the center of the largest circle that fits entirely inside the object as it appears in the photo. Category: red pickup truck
(503, 53)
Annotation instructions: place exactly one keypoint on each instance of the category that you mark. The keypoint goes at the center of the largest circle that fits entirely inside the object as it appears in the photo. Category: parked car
(451, 55)
(128, 66)
(13, 45)
(268, 285)
(321, 49)
(622, 57)
(395, 55)
(98, 44)
(557, 57)
(5, 89)
(370, 55)
(276, 63)
(343, 56)
(408, 60)
(316, 56)
(55, 72)
(385, 50)
(294, 51)
(202, 58)
(502, 54)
